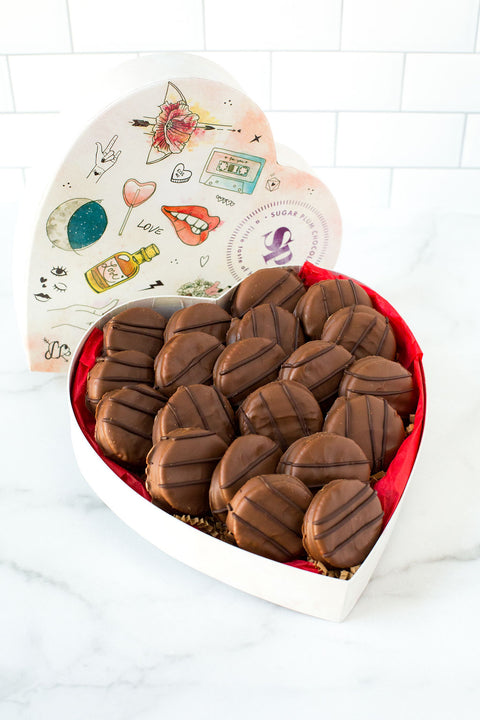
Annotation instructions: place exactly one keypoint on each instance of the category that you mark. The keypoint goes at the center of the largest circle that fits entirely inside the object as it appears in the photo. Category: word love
(148, 227)
(278, 244)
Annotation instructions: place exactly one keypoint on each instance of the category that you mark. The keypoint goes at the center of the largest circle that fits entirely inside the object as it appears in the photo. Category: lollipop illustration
(174, 125)
(135, 193)
(76, 224)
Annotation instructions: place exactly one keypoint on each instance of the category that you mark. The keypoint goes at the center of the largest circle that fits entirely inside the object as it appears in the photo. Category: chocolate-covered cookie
(137, 328)
(247, 456)
(375, 375)
(280, 286)
(362, 331)
(114, 371)
(180, 467)
(265, 516)
(283, 410)
(372, 423)
(268, 321)
(320, 458)
(201, 317)
(342, 523)
(319, 365)
(124, 420)
(201, 406)
(323, 299)
(186, 359)
(246, 365)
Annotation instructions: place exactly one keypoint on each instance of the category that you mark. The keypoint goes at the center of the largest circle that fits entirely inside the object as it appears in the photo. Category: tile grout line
(69, 22)
(204, 26)
(462, 144)
(270, 95)
(12, 94)
(311, 51)
(475, 39)
(335, 140)
(340, 39)
(402, 82)
(390, 188)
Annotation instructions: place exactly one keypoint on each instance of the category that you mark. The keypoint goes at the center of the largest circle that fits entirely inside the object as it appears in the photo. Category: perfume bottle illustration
(119, 268)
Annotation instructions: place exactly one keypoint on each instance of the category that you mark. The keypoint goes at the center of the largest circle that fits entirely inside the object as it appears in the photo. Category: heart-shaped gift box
(174, 192)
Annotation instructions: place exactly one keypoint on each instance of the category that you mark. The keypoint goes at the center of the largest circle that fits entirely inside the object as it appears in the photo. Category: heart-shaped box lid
(174, 188)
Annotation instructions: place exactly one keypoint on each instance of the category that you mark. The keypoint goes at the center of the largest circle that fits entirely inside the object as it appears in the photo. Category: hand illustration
(81, 316)
(104, 158)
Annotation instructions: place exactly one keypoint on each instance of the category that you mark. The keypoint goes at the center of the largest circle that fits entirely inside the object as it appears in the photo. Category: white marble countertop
(98, 624)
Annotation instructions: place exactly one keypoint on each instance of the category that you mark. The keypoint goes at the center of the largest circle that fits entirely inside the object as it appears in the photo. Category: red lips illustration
(192, 223)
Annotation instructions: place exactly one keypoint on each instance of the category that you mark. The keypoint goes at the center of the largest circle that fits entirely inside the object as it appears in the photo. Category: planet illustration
(76, 224)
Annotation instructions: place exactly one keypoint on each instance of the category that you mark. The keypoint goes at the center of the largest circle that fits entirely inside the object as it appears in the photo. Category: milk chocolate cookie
(201, 406)
(375, 375)
(280, 286)
(180, 467)
(268, 321)
(137, 328)
(201, 317)
(372, 423)
(323, 299)
(362, 331)
(246, 365)
(342, 523)
(319, 365)
(247, 456)
(115, 371)
(320, 458)
(283, 410)
(186, 359)
(266, 514)
(124, 420)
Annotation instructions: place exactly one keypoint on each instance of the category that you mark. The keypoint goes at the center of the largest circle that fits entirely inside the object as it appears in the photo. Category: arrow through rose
(135, 193)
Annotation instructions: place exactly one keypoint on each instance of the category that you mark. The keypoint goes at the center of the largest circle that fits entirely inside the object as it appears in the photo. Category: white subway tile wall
(381, 98)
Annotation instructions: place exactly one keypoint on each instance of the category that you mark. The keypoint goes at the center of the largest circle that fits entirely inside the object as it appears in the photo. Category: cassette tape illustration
(237, 172)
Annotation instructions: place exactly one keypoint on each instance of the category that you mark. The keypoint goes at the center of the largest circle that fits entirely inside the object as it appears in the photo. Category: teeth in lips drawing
(192, 223)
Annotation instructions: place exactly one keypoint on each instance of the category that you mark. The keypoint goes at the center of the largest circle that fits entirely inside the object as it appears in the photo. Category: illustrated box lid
(172, 186)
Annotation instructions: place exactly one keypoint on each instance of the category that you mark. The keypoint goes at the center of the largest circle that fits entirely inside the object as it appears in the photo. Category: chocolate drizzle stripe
(222, 404)
(127, 428)
(372, 434)
(176, 415)
(297, 333)
(353, 288)
(143, 410)
(271, 516)
(347, 418)
(194, 361)
(354, 535)
(273, 422)
(346, 324)
(276, 323)
(249, 359)
(110, 359)
(300, 363)
(197, 407)
(384, 336)
(261, 533)
(364, 334)
(157, 336)
(194, 461)
(281, 495)
(252, 383)
(121, 324)
(120, 378)
(195, 326)
(247, 421)
(325, 301)
(328, 377)
(273, 287)
(378, 393)
(322, 466)
(249, 468)
(378, 378)
(346, 519)
(146, 392)
(254, 322)
(301, 420)
(186, 483)
(366, 489)
(340, 292)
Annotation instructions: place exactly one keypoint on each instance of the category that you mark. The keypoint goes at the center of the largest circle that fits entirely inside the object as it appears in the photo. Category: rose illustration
(174, 126)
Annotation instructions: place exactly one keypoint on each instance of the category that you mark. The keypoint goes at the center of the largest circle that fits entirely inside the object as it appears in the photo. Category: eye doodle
(61, 287)
(59, 271)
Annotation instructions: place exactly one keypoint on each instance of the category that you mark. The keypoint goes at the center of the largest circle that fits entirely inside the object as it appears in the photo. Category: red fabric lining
(389, 488)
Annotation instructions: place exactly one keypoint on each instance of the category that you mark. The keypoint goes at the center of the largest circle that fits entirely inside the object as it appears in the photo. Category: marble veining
(97, 623)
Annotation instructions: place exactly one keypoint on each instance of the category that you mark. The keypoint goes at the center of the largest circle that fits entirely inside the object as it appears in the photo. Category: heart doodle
(203, 260)
(180, 174)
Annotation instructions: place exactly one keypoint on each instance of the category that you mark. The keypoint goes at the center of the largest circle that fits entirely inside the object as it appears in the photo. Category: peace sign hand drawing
(79, 316)
(104, 158)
